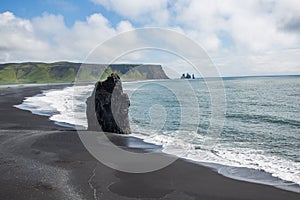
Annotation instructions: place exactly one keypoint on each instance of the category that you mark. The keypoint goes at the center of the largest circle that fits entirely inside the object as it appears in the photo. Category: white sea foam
(278, 167)
(60, 105)
(68, 106)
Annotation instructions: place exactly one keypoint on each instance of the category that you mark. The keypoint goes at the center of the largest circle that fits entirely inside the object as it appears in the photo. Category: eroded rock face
(107, 107)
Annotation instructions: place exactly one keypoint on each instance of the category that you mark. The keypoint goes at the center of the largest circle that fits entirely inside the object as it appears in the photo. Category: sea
(259, 137)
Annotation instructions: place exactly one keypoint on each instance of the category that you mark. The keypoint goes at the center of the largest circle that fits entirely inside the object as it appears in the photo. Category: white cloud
(49, 24)
(255, 28)
(251, 24)
(124, 26)
(138, 10)
(240, 36)
(47, 38)
(84, 35)
(273, 62)
(18, 36)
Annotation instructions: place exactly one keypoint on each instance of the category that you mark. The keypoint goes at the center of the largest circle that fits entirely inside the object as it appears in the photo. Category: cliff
(38, 72)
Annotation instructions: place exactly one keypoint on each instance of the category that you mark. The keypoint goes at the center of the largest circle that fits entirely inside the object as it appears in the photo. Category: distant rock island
(107, 107)
(38, 72)
(187, 76)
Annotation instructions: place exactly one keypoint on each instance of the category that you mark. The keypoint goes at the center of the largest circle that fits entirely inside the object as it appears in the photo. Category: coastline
(33, 139)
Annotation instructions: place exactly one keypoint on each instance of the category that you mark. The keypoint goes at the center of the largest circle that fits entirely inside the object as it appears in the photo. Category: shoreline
(60, 148)
(220, 168)
(234, 172)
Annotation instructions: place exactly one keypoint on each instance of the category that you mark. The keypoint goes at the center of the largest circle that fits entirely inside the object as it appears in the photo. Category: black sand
(41, 160)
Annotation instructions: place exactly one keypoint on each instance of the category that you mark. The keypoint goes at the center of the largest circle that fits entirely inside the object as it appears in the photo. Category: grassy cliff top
(64, 72)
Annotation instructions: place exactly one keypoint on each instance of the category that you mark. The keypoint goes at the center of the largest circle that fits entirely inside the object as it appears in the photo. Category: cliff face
(33, 72)
(107, 107)
(149, 71)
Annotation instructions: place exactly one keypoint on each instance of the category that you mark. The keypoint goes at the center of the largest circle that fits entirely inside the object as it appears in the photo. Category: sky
(249, 37)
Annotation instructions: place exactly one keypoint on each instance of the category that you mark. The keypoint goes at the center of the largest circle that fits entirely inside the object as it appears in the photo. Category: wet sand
(41, 160)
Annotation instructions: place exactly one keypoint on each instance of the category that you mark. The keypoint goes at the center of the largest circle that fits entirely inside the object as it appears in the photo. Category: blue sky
(251, 37)
(72, 10)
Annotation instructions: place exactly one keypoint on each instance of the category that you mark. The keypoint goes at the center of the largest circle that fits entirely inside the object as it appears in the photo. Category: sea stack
(107, 107)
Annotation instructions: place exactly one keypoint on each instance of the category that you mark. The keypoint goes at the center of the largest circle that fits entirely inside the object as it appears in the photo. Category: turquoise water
(260, 135)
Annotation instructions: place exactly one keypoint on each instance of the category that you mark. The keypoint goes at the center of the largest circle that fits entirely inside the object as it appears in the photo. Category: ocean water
(259, 140)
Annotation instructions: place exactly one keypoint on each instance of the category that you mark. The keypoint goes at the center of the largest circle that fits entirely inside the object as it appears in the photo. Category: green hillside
(35, 72)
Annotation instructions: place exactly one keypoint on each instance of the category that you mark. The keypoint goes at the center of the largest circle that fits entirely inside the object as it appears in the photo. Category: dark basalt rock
(107, 107)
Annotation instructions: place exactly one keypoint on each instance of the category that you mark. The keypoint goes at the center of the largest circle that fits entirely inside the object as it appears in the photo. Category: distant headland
(66, 72)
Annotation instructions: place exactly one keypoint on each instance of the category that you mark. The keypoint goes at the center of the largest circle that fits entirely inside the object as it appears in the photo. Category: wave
(237, 163)
(60, 105)
(67, 107)
(265, 118)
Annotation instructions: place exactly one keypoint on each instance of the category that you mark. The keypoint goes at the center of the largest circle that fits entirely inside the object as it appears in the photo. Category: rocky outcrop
(107, 107)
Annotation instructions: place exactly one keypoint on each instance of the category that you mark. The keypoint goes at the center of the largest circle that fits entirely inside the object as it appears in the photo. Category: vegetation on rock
(66, 72)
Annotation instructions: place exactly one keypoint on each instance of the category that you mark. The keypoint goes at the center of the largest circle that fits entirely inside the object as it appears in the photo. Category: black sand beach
(41, 160)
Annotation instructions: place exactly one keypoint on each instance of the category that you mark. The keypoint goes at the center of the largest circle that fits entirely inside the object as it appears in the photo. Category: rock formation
(107, 107)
